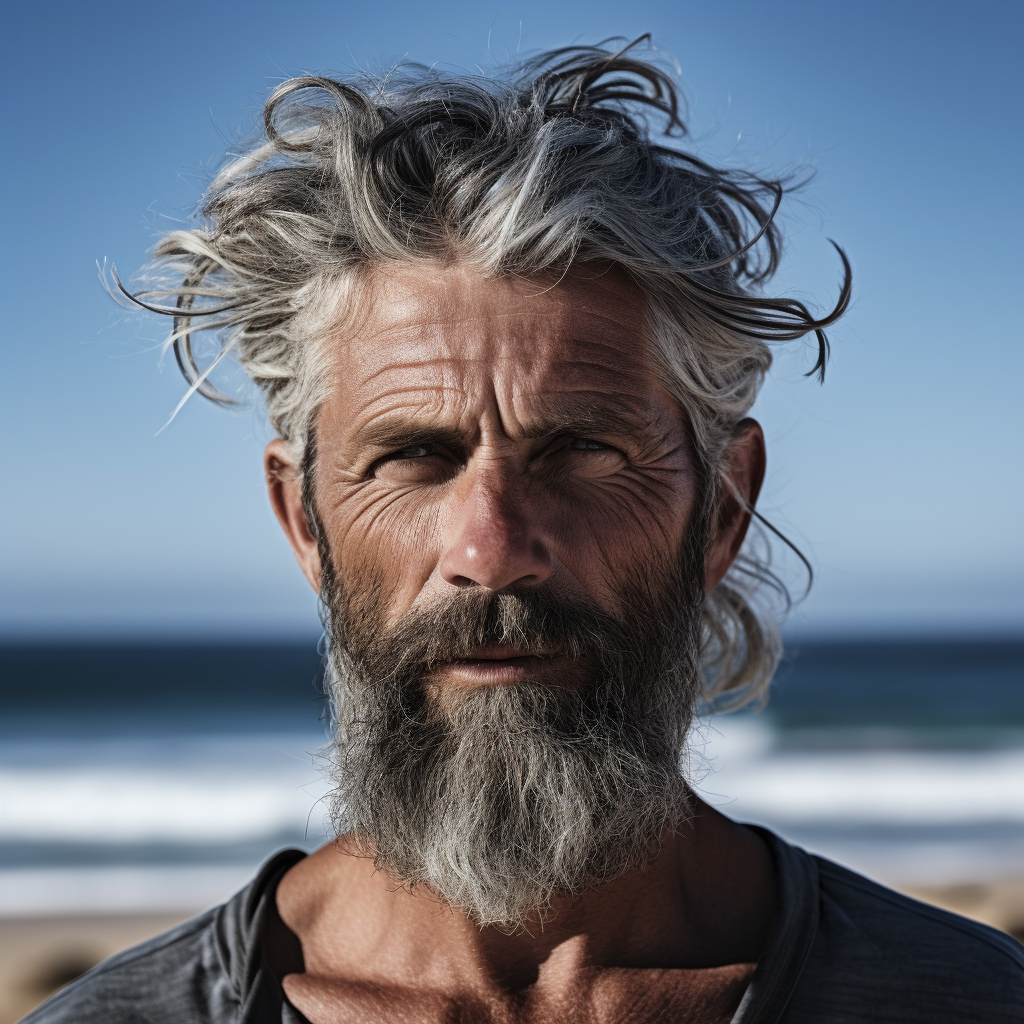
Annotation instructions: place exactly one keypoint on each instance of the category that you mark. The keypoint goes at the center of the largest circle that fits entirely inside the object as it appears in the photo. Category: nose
(495, 539)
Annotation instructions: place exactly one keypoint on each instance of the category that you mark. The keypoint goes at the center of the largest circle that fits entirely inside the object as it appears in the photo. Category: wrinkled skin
(494, 434)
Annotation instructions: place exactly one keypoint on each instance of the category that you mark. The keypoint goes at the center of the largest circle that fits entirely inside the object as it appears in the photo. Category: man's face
(493, 435)
(514, 572)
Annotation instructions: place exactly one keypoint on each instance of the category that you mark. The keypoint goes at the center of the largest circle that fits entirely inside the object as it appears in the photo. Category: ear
(745, 466)
(286, 500)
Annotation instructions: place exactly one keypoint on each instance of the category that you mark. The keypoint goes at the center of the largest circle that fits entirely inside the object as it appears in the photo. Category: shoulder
(200, 971)
(867, 913)
(162, 979)
(878, 955)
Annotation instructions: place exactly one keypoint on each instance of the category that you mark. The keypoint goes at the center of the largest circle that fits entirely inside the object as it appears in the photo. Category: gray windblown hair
(551, 163)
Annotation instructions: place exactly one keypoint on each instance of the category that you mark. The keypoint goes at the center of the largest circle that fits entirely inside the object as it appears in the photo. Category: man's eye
(586, 444)
(414, 451)
(414, 462)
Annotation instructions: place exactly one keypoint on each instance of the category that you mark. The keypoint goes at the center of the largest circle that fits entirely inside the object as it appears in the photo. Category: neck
(704, 901)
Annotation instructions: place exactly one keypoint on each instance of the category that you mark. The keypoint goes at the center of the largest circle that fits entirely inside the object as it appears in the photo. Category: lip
(496, 667)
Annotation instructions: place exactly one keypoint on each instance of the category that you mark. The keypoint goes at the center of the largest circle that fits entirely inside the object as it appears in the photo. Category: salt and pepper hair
(568, 159)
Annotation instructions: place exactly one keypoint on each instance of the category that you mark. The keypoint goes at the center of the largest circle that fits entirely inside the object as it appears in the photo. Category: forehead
(452, 335)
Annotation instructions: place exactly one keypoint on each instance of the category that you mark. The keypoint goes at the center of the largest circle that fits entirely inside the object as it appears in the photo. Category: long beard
(500, 798)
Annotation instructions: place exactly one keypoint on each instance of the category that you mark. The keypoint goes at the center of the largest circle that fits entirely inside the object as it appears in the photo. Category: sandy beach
(39, 954)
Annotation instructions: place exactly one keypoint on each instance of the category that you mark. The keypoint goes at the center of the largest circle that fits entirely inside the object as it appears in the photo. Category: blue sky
(901, 478)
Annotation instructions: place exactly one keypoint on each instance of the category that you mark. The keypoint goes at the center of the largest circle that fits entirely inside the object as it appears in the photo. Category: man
(509, 342)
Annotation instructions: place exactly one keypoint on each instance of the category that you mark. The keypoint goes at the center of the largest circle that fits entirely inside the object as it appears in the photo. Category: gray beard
(499, 799)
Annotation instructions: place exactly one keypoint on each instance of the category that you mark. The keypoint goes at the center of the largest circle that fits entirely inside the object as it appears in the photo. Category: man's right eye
(415, 451)
(415, 462)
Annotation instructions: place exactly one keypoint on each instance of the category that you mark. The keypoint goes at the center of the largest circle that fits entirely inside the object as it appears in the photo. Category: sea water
(158, 777)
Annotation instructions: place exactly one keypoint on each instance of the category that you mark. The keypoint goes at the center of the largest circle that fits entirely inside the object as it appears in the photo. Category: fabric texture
(841, 949)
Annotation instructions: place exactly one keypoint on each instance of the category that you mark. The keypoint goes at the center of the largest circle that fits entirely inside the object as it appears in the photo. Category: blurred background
(160, 713)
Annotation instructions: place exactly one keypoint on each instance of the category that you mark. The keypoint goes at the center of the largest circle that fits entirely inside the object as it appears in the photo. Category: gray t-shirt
(841, 949)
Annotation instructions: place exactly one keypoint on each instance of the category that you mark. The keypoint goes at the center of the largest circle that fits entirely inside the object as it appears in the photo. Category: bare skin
(485, 433)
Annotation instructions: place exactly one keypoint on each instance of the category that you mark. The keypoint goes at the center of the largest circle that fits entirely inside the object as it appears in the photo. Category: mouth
(496, 666)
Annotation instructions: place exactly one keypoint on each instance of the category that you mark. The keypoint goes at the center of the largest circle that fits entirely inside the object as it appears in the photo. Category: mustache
(534, 619)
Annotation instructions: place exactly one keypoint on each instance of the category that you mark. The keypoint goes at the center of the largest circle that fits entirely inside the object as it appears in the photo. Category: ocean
(156, 777)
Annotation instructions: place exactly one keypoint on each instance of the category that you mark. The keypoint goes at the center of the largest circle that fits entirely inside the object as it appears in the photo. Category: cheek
(389, 535)
(634, 520)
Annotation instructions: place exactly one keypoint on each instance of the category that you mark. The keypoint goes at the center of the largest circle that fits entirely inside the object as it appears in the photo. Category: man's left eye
(587, 444)
(414, 451)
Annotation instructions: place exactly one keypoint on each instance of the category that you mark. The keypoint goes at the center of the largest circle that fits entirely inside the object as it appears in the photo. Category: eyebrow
(403, 431)
(613, 415)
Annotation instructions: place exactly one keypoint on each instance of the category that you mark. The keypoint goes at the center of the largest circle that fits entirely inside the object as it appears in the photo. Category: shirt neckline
(791, 933)
(276, 951)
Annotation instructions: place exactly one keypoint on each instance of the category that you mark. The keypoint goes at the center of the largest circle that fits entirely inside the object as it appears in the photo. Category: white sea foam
(745, 777)
(213, 789)
(900, 816)
(147, 806)
(919, 817)
(31, 892)
(186, 803)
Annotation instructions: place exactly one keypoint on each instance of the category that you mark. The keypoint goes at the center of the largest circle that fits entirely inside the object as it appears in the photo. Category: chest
(699, 996)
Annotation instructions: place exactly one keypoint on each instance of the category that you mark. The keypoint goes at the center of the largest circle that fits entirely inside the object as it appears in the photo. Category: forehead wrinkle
(409, 404)
(579, 414)
(446, 323)
(587, 375)
(445, 363)
(528, 412)
(577, 327)
(566, 389)
(447, 352)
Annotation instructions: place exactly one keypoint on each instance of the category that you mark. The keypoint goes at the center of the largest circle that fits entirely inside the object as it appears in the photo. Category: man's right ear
(285, 492)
